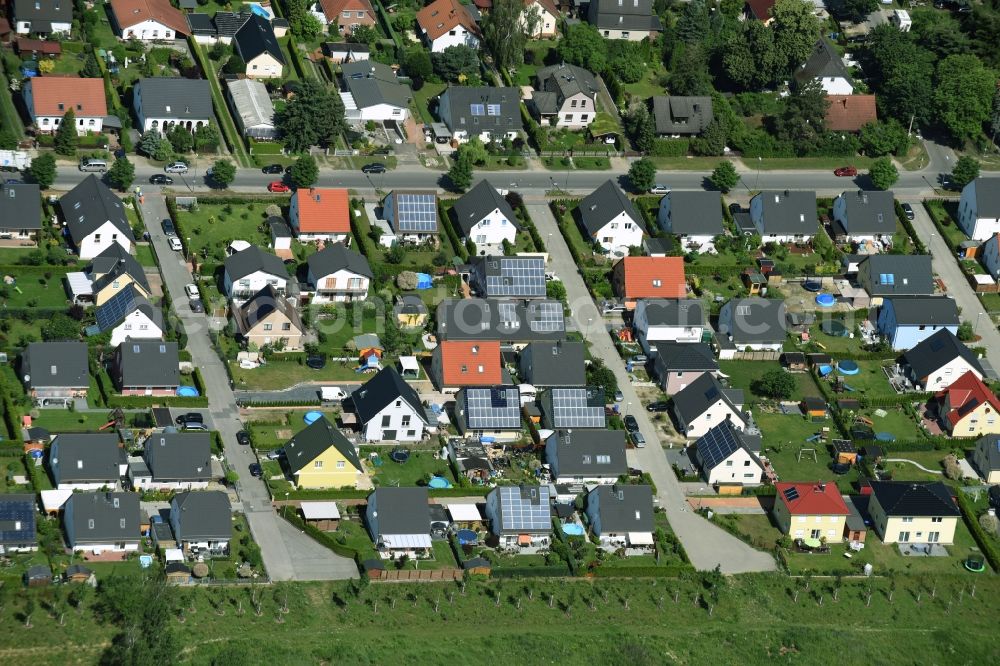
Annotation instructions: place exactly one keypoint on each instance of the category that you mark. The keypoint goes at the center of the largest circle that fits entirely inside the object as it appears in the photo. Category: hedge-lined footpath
(987, 544)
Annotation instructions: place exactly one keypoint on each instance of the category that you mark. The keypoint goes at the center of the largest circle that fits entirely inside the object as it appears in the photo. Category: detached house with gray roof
(389, 409)
(632, 20)
(492, 114)
(95, 218)
(42, 17)
(250, 270)
(906, 321)
(695, 217)
(373, 92)
(757, 324)
(86, 461)
(784, 216)
(586, 456)
(269, 320)
(610, 220)
(128, 315)
(20, 214)
(681, 116)
(677, 364)
(559, 363)
(565, 95)
(399, 522)
(485, 217)
(986, 458)
(865, 216)
(337, 274)
(887, 275)
(162, 102)
(979, 208)
(668, 320)
(704, 403)
(621, 516)
(102, 522)
(257, 45)
(935, 363)
(174, 461)
(146, 367)
(202, 522)
(825, 65)
(727, 458)
(514, 322)
(55, 373)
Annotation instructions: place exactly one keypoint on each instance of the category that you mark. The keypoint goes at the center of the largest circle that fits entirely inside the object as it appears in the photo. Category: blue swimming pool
(572, 529)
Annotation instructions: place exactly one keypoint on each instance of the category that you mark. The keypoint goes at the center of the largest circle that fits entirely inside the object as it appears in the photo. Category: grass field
(211, 228)
(422, 98)
(144, 254)
(36, 291)
(278, 374)
(414, 471)
(742, 374)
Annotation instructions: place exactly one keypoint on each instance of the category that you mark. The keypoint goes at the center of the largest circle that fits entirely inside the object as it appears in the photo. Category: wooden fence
(414, 576)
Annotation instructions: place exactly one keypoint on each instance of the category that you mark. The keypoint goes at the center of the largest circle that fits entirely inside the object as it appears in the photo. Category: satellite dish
(27, 378)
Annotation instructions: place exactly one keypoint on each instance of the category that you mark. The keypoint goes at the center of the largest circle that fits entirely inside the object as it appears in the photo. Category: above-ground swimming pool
(834, 328)
(572, 529)
(825, 300)
(848, 368)
(439, 482)
(812, 285)
(187, 391)
(312, 417)
(466, 537)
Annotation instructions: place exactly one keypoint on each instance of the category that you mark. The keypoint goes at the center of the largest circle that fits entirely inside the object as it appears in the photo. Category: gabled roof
(251, 260)
(674, 312)
(114, 262)
(227, 24)
(263, 304)
(313, 441)
(85, 457)
(490, 407)
(612, 14)
(558, 363)
(811, 499)
(255, 38)
(937, 351)
(694, 399)
(654, 277)
(204, 515)
(479, 202)
(574, 407)
(381, 390)
(56, 364)
(506, 321)
(849, 113)
(990, 445)
(477, 110)
(440, 16)
(760, 9)
(252, 102)
(149, 363)
(179, 456)
(43, 14)
(333, 8)
(695, 213)
(624, 508)
(605, 203)
(685, 357)
(131, 12)
(964, 395)
(508, 277)
(523, 509)
(337, 257)
(924, 310)
(590, 453)
(824, 62)
(871, 212)
(566, 80)
(897, 274)
(412, 211)
(719, 443)
(124, 303)
(756, 320)
(788, 213)
(166, 97)
(104, 517)
(17, 519)
(470, 363)
(20, 206)
(402, 511)
(987, 199)
(55, 95)
(681, 115)
(323, 210)
(908, 498)
(90, 205)
(371, 83)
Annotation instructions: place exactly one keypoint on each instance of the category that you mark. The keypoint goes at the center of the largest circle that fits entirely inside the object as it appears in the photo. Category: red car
(846, 171)
(278, 186)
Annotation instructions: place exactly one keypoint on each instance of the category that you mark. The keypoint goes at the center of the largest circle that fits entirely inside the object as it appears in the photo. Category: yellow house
(810, 511)
(257, 45)
(910, 512)
(321, 457)
(269, 319)
(968, 408)
(114, 270)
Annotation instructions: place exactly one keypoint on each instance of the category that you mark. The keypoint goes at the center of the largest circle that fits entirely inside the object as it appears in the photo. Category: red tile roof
(470, 363)
(324, 210)
(849, 113)
(333, 8)
(964, 395)
(654, 277)
(811, 499)
(38, 46)
(441, 16)
(84, 96)
(761, 9)
(132, 12)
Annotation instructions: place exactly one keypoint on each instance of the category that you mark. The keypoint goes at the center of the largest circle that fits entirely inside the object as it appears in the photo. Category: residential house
(373, 92)
(939, 360)
(621, 516)
(679, 115)
(336, 274)
(968, 408)
(399, 522)
(759, 10)
(520, 516)
(86, 461)
(565, 96)
(250, 270)
(174, 461)
(389, 409)
(573, 407)
(695, 217)
(221, 27)
(609, 219)
(346, 14)
(17, 524)
(490, 412)
(94, 218)
(55, 373)
(849, 113)
(989, 255)
(704, 403)
(586, 456)
(148, 20)
(202, 522)
(986, 458)
(413, 215)
(559, 363)
(346, 52)
(319, 456)
(725, 457)
(129, 315)
(784, 217)
(906, 321)
(445, 23)
(865, 216)
(678, 364)
(492, 114)
(320, 214)
(113, 271)
(668, 320)
(547, 15)
(252, 109)
(42, 17)
(484, 217)
(913, 512)
(458, 363)
(160, 103)
(635, 279)
(632, 20)
(979, 208)
(256, 44)
(102, 522)
(269, 320)
(146, 367)
(508, 277)
(757, 324)
(515, 323)
(825, 65)
(48, 98)
(811, 511)
(20, 214)
(887, 275)
(410, 311)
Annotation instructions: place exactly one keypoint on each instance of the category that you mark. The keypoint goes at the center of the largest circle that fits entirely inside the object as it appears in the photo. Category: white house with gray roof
(492, 114)
(40, 17)
(252, 107)
(668, 320)
(862, 216)
(784, 216)
(129, 315)
(565, 96)
(906, 321)
(609, 219)
(888, 275)
(337, 274)
(621, 516)
(102, 522)
(94, 218)
(979, 208)
(373, 92)
(86, 461)
(725, 457)
(20, 214)
(399, 522)
(175, 461)
(389, 409)
(704, 404)
(162, 102)
(520, 516)
(485, 217)
(586, 456)
(202, 522)
(631, 20)
(250, 270)
(55, 372)
(695, 217)
(757, 324)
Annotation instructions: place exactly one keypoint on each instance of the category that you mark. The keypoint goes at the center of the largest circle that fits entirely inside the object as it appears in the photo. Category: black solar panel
(791, 494)
(572, 408)
(717, 444)
(495, 407)
(416, 212)
(530, 513)
(547, 317)
(115, 309)
(518, 276)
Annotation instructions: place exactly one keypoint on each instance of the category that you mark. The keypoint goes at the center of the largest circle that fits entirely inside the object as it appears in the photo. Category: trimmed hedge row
(986, 543)
(449, 229)
(544, 571)
(667, 571)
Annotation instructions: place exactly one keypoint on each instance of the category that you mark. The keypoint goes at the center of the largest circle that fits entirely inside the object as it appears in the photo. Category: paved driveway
(707, 545)
(288, 554)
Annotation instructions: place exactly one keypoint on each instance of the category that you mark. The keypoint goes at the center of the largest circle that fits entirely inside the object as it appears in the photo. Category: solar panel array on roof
(718, 444)
(575, 408)
(508, 315)
(791, 494)
(493, 407)
(519, 276)
(416, 212)
(115, 309)
(547, 316)
(518, 512)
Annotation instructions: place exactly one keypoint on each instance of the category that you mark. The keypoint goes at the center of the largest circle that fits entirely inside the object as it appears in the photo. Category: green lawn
(421, 465)
(422, 98)
(870, 380)
(809, 163)
(211, 228)
(581, 163)
(63, 420)
(36, 290)
(742, 374)
(8, 112)
(69, 64)
(278, 374)
(563, 211)
(944, 214)
(144, 254)
(649, 85)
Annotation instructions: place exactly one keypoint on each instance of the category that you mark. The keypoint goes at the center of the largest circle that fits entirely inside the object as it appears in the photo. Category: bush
(407, 280)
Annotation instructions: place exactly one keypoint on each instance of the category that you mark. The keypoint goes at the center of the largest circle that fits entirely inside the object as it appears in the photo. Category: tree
(310, 28)
(642, 175)
(456, 63)
(750, 58)
(966, 332)
(724, 177)
(8, 140)
(235, 65)
(460, 173)
(599, 374)
(966, 170)
(796, 29)
(223, 173)
(712, 141)
(885, 137)
(91, 68)
(902, 72)
(407, 280)
(505, 33)
(121, 174)
(804, 116)
(641, 127)
(857, 10)
(149, 143)
(963, 95)
(66, 138)
(304, 172)
(219, 51)
(363, 34)
(689, 73)
(584, 46)
(181, 139)
(418, 65)
(692, 24)
(60, 327)
(774, 384)
(315, 116)
(43, 170)
(940, 32)
(206, 138)
(883, 173)
(295, 12)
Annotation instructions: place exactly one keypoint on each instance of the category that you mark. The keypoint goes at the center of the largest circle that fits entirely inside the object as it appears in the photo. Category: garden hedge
(987, 544)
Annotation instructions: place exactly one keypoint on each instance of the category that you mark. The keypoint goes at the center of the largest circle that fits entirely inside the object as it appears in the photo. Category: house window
(937, 519)
(729, 463)
(625, 34)
(411, 433)
(346, 14)
(903, 537)
(286, 326)
(568, 118)
(907, 519)
(933, 537)
(815, 534)
(268, 327)
(386, 421)
(340, 464)
(572, 104)
(318, 464)
(406, 421)
(451, 32)
(584, 117)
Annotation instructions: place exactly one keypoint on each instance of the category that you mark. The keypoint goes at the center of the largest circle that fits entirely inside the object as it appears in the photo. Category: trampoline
(572, 529)
(439, 482)
(825, 300)
(841, 468)
(848, 368)
(400, 455)
(834, 329)
(187, 391)
(312, 417)
(885, 437)
(812, 285)
(466, 537)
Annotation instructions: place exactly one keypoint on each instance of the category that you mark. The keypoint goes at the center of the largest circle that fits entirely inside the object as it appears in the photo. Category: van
(88, 164)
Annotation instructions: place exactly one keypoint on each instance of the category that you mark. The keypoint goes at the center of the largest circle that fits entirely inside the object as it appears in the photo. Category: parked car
(638, 439)
(175, 243)
(278, 186)
(658, 406)
(276, 454)
(176, 167)
(243, 438)
(191, 290)
(12, 181)
(374, 167)
(908, 211)
(316, 361)
(168, 227)
(160, 179)
(846, 171)
(190, 417)
(630, 423)
(256, 471)
(273, 169)
(640, 359)
(619, 396)
(659, 189)
(196, 305)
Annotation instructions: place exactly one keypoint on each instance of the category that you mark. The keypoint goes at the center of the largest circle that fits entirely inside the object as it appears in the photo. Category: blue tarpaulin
(424, 281)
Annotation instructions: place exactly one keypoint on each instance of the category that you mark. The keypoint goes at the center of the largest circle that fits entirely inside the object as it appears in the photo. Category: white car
(192, 291)
(176, 167)
(659, 189)
(175, 243)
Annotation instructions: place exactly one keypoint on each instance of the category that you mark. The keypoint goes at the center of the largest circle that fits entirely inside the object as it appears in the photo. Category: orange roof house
(648, 277)
(458, 363)
(138, 19)
(48, 98)
(348, 13)
(812, 510)
(320, 214)
(849, 113)
(967, 408)
(442, 16)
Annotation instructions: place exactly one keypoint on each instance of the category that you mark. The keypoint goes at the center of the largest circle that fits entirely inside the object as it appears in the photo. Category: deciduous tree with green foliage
(61, 327)
(884, 137)
(642, 175)
(66, 139)
(181, 139)
(121, 174)
(8, 141)
(584, 46)
(883, 173)
(223, 173)
(206, 138)
(363, 34)
(724, 177)
(418, 66)
(91, 68)
(601, 375)
(304, 172)
(857, 10)
(750, 58)
(776, 384)
(804, 116)
(689, 73)
(963, 95)
(796, 30)
(505, 31)
(42, 170)
(142, 609)
(901, 72)
(314, 117)
(966, 170)
(460, 173)
(456, 63)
